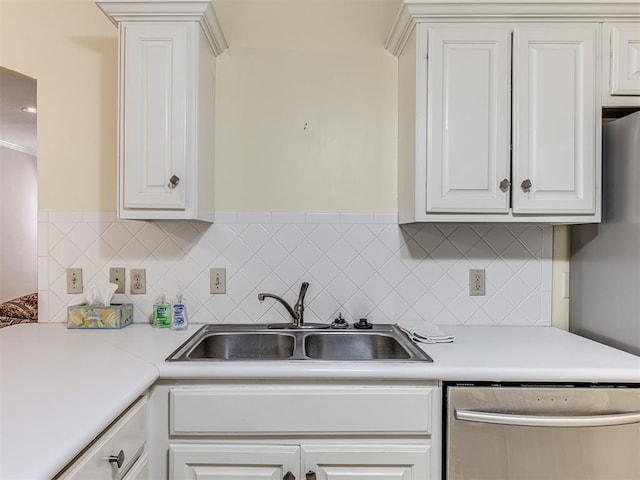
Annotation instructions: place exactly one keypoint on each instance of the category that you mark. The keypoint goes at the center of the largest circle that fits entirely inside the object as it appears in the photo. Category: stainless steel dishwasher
(542, 432)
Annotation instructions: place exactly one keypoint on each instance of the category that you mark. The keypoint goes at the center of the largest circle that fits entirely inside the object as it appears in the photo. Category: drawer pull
(118, 459)
(311, 475)
(289, 476)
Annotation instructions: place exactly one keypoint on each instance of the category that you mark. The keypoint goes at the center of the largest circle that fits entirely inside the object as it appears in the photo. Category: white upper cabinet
(468, 119)
(166, 108)
(556, 120)
(621, 64)
(500, 115)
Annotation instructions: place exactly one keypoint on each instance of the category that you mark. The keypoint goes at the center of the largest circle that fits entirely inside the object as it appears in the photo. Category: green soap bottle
(162, 313)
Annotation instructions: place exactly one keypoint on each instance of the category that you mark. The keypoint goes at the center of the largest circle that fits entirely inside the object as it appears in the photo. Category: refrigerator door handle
(548, 420)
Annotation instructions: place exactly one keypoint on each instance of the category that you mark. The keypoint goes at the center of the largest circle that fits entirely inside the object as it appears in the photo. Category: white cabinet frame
(428, 193)
(621, 64)
(556, 121)
(166, 117)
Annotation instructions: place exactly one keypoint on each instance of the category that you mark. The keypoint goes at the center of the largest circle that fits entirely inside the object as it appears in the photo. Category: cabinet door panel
(625, 60)
(227, 462)
(364, 462)
(468, 119)
(127, 434)
(154, 121)
(555, 110)
(140, 470)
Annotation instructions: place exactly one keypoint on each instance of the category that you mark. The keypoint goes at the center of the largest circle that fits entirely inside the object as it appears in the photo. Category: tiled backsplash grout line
(357, 264)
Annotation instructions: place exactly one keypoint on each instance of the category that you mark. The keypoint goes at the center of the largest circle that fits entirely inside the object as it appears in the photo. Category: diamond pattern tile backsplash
(362, 265)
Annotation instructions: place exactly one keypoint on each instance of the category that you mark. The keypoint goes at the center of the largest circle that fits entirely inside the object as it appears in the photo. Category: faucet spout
(294, 315)
(297, 311)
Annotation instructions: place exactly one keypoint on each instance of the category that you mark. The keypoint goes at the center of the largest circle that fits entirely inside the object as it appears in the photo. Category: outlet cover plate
(476, 283)
(138, 281)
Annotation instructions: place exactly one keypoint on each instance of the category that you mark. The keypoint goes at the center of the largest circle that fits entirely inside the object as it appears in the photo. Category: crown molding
(201, 11)
(421, 11)
(18, 148)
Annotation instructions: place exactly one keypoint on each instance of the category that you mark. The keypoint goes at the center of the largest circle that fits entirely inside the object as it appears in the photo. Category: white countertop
(60, 388)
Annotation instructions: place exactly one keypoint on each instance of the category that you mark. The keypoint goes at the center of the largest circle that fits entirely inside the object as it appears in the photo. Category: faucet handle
(303, 291)
(340, 322)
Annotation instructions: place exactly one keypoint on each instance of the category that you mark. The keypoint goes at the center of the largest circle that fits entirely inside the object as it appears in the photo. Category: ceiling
(17, 128)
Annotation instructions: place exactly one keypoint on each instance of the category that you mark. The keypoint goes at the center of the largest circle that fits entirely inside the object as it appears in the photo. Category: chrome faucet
(297, 311)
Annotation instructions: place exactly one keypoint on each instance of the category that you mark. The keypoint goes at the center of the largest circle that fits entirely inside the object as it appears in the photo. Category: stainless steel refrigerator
(604, 282)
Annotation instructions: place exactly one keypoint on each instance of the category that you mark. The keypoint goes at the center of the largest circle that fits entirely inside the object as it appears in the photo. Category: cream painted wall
(306, 107)
(292, 64)
(70, 47)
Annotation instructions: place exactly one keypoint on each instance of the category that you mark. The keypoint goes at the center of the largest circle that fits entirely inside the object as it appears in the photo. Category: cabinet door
(126, 437)
(364, 462)
(625, 59)
(227, 462)
(555, 119)
(154, 94)
(139, 470)
(468, 119)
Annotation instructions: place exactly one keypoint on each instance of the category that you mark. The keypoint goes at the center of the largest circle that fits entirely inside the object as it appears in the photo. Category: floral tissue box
(93, 316)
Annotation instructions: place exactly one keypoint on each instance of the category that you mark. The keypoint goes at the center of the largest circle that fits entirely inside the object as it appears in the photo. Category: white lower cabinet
(139, 470)
(356, 461)
(331, 461)
(287, 431)
(224, 462)
(119, 453)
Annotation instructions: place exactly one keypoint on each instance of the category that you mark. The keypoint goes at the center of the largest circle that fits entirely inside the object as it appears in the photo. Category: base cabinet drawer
(271, 410)
(115, 452)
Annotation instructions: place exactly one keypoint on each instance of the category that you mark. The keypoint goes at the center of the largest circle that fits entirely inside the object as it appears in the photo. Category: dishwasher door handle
(548, 420)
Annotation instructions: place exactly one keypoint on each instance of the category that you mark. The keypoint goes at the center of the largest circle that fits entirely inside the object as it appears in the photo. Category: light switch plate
(74, 280)
(116, 275)
(218, 280)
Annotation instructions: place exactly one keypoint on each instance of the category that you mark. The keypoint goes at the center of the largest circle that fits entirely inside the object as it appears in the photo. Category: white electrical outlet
(116, 275)
(218, 280)
(138, 281)
(476, 283)
(74, 280)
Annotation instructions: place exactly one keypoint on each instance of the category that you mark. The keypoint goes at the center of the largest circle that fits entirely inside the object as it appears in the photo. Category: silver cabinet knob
(505, 184)
(117, 459)
(311, 475)
(174, 181)
(526, 185)
(289, 476)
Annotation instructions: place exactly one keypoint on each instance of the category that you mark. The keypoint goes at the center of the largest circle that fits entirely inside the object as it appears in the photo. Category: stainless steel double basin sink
(383, 342)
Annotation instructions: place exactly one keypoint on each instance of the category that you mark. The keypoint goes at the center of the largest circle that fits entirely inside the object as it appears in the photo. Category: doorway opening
(18, 199)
